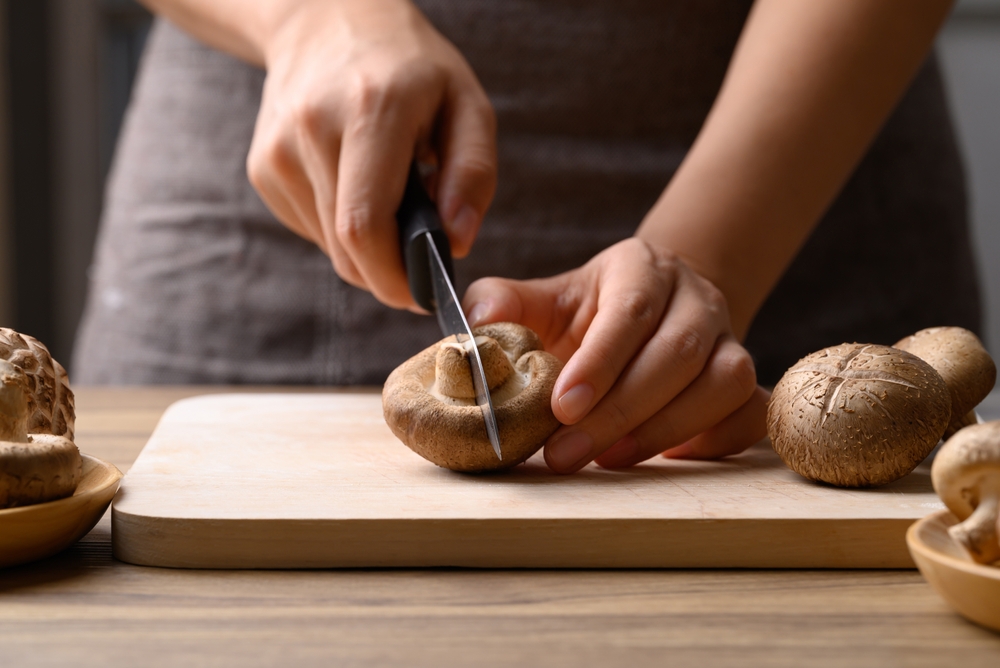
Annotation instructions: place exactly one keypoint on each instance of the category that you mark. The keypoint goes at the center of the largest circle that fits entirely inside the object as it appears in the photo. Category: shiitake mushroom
(857, 415)
(429, 402)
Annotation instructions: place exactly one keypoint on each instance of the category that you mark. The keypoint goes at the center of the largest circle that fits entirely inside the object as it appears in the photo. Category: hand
(354, 88)
(651, 361)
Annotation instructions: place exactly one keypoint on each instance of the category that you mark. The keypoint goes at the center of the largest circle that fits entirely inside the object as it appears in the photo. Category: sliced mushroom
(33, 467)
(429, 402)
(857, 415)
(966, 475)
(959, 356)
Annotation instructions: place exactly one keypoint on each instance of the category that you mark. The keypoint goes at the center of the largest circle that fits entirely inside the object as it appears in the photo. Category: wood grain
(82, 608)
(307, 481)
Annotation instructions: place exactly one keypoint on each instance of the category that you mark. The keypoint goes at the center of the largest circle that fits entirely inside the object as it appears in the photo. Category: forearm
(246, 28)
(235, 26)
(809, 86)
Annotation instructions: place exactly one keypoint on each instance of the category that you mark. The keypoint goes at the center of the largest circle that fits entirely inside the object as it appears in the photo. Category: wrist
(290, 23)
(733, 273)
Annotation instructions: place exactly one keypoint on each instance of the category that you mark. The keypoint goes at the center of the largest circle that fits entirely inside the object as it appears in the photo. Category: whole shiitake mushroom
(430, 404)
(960, 358)
(857, 415)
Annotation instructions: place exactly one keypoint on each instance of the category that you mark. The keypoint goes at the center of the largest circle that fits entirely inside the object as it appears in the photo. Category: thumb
(468, 167)
(544, 305)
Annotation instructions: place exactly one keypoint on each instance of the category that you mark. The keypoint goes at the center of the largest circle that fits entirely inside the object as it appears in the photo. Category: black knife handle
(416, 216)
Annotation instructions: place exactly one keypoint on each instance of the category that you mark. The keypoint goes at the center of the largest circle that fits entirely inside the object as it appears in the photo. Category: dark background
(66, 68)
(69, 66)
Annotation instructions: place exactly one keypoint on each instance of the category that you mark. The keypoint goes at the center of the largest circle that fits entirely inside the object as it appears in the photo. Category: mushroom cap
(964, 463)
(857, 415)
(959, 356)
(449, 430)
(14, 395)
(44, 469)
(51, 403)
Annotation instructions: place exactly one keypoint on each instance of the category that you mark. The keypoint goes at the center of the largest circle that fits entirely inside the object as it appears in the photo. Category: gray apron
(597, 102)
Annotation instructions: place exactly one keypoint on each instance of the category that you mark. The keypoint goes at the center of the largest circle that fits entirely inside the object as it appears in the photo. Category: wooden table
(83, 608)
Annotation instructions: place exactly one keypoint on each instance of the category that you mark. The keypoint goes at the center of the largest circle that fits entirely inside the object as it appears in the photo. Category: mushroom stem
(452, 372)
(980, 532)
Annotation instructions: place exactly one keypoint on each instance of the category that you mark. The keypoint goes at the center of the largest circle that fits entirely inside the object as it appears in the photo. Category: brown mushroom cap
(33, 467)
(966, 475)
(14, 411)
(50, 402)
(967, 369)
(857, 415)
(429, 403)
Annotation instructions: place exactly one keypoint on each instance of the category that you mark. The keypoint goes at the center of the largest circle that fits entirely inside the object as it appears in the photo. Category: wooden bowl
(972, 589)
(29, 533)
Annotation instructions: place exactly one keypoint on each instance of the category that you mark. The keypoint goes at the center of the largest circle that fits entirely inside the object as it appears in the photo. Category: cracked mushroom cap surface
(966, 475)
(51, 404)
(857, 415)
(34, 468)
(960, 358)
(429, 402)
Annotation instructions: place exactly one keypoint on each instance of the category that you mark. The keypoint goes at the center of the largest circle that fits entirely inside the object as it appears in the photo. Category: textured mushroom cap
(44, 469)
(959, 356)
(857, 415)
(51, 401)
(449, 430)
(964, 463)
(14, 393)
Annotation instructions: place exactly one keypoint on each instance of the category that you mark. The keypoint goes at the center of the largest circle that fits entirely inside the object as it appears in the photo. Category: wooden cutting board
(312, 481)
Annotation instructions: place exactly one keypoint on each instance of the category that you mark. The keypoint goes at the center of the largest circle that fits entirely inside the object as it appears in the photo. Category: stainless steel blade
(452, 321)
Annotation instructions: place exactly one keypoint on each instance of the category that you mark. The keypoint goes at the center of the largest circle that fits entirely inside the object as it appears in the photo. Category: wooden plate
(972, 589)
(34, 532)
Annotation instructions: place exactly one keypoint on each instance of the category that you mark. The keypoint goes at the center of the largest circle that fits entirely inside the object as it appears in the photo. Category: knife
(427, 257)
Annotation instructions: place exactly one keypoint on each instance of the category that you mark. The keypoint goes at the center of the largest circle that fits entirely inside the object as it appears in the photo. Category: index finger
(374, 163)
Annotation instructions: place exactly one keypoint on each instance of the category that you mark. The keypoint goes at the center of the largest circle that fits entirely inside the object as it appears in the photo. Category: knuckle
(310, 114)
(638, 307)
(364, 93)
(354, 226)
(267, 160)
(738, 372)
(371, 93)
(686, 344)
(277, 156)
(715, 300)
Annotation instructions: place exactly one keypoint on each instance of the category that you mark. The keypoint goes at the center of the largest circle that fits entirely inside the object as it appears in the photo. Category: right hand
(355, 90)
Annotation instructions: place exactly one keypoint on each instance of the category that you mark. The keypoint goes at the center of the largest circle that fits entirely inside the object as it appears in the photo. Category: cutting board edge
(564, 544)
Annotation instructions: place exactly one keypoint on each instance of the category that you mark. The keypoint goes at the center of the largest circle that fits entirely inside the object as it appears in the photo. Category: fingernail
(478, 314)
(682, 451)
(567, 451)
(621, 454)
(464, 223)
(576, 401)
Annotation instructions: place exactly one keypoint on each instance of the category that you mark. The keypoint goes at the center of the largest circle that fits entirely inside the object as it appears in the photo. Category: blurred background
(66, 69)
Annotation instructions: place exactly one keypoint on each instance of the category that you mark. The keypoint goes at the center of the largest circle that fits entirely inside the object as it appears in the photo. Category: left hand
(652, 364)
